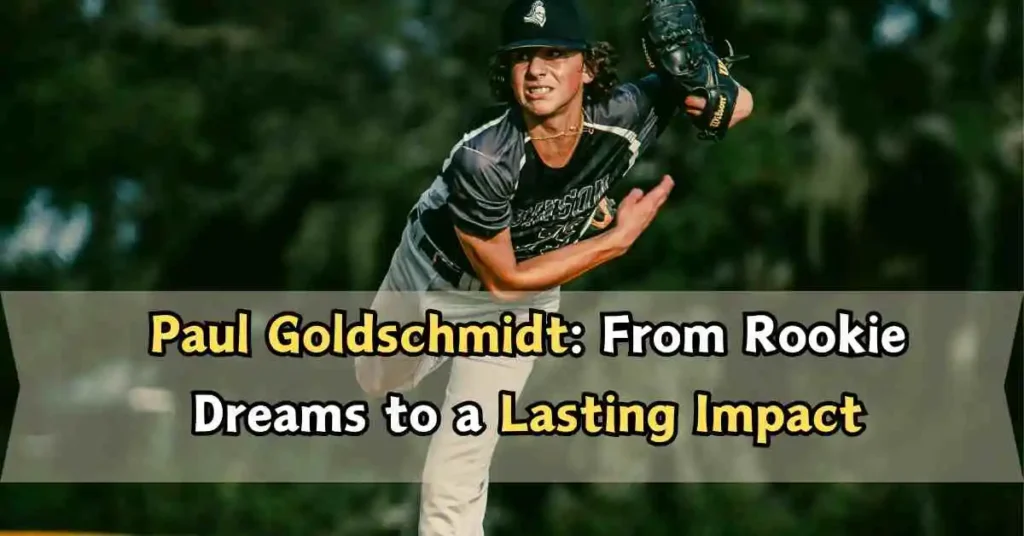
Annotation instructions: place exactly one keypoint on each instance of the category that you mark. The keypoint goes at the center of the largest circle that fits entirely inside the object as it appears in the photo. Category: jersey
(493, 178)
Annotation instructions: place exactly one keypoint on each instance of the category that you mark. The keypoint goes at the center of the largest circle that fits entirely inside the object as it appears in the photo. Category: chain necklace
(573, 131)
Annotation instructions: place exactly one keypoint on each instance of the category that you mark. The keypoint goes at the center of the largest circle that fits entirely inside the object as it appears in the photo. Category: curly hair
(599, 57)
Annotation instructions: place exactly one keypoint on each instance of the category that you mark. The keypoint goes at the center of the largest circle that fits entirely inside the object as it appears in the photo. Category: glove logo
(537, 15)
(722, 69)
(716, 119)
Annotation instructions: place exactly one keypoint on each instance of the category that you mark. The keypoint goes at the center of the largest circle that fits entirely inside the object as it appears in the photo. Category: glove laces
(730, 58)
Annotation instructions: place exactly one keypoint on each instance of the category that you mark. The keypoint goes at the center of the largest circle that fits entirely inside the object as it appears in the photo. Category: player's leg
(455, 478)
(379, 375)
(399, 298)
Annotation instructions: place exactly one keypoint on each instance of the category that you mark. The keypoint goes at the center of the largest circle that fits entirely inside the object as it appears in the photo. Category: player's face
(545, 80)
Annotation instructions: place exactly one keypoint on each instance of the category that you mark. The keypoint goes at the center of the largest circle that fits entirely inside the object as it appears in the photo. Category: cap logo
(537, 15)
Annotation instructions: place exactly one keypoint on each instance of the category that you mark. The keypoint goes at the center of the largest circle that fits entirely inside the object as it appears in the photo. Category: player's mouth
(538, 92)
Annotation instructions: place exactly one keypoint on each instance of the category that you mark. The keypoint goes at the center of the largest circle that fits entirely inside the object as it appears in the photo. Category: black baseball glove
(676, 46)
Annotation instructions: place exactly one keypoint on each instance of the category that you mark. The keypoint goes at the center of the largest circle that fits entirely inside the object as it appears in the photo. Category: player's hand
(637, 211)
(695, 105)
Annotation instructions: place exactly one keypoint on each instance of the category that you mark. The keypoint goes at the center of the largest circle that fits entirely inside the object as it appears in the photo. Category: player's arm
(657, 97)
(480, 204)
(507, 279)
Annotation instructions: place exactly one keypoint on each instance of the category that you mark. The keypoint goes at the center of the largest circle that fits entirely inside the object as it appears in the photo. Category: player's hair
(600, 57)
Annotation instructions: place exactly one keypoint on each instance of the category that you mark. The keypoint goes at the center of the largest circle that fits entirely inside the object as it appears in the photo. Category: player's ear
(588, 73)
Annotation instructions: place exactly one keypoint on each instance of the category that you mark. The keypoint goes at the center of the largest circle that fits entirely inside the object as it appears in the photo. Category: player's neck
(566, 123)
(556, 136)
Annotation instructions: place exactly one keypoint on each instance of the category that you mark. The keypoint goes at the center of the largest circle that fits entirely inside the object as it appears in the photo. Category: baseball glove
(676, 45)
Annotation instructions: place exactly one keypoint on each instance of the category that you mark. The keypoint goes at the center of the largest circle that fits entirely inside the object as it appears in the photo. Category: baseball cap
(543, 23)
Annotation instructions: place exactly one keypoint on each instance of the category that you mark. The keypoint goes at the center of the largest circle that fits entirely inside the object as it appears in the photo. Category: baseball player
(519, 206)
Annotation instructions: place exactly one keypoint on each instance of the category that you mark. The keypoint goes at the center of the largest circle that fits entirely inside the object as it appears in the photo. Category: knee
(377, 381)
(370, 382)
(372, 392)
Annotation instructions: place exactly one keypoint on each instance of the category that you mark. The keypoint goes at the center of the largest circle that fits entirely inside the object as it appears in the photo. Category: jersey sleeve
(480, 193)
(648, 105)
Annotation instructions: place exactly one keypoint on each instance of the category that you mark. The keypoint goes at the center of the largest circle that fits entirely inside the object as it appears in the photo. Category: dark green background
(278, 145)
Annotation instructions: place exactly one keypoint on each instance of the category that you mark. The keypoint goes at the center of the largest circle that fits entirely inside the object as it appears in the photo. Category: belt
(447, 269)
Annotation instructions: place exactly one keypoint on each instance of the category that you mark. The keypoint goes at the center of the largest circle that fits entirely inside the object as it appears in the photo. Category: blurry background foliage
(184, 144)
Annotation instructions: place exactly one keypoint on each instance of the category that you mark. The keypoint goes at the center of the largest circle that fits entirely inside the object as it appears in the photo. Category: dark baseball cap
(543, 23)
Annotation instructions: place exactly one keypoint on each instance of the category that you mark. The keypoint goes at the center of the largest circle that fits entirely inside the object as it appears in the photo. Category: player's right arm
(480, 205)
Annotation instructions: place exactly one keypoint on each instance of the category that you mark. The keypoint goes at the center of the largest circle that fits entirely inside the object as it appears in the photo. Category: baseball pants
(454, 486)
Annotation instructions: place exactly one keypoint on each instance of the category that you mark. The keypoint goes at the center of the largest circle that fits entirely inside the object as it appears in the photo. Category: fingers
(659, 193)
(632, 198)
(666, 184)
(647, 205)
(695, 105)
(658, 196)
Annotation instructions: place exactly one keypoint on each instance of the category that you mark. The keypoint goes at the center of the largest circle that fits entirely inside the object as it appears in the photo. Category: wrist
(614, 242)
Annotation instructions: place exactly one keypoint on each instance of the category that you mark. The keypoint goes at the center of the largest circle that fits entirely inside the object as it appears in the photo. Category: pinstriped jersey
(493, 178)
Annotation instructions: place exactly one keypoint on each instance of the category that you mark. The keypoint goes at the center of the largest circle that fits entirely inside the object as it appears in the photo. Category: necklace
(573, 130)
